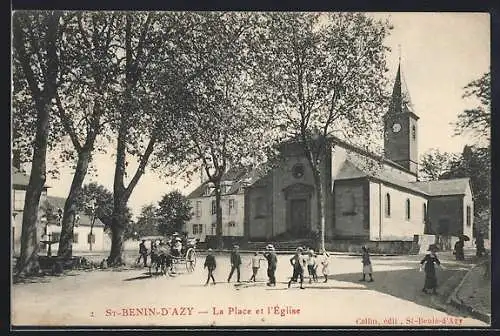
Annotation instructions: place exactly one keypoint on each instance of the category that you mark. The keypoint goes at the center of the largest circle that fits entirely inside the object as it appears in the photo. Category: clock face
(396, 128)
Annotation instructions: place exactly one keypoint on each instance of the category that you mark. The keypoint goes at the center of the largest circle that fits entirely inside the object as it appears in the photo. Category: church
(370, 200)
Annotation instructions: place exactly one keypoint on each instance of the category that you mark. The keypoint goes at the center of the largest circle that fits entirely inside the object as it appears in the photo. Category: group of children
(307, 259)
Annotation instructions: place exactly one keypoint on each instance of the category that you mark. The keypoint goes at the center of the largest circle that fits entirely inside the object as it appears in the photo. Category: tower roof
(400, 100)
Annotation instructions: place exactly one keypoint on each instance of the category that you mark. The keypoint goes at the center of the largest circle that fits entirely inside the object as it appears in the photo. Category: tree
(103, 206)
(149, 42)
(173, 212)
(36, 36)
(223, 122)
(147, 223)
(91, 57)
(326, 74)
(477, 120)
(434, 163)
(475, 163)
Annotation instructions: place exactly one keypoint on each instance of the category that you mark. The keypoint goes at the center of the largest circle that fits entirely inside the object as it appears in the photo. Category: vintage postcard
(257, 169)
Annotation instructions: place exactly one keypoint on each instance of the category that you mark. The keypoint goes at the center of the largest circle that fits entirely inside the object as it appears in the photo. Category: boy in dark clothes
(299, 263)
(235, 264)
(272, 262)
(430, 270)
(210, 265)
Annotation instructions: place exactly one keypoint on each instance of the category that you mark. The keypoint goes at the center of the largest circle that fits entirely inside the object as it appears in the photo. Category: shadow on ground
(407, 284)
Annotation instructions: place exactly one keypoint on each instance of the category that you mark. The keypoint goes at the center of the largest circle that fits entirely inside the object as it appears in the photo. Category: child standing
(210, 265)
(299, 263)
(255, 263)
(367, 265)
(324, 265)
(311, 266)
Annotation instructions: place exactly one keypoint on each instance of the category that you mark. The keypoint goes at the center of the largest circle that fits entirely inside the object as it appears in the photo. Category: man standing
(272, 261)
(210, 265)
(235, 263)
(143, 253)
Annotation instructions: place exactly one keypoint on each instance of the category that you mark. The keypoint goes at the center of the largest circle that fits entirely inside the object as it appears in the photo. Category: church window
(408, 211)
(469, 216)
(413, 132)
(260, 207)
(425, 213)
(387, 205)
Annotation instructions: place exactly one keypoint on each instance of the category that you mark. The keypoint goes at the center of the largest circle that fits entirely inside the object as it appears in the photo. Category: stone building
(370, 199)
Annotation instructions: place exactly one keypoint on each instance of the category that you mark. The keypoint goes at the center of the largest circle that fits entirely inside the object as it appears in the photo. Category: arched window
(387, 205)
(425, 213)
(408, 209)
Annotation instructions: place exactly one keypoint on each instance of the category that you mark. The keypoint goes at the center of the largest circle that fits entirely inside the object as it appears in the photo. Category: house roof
(457, 186)
(20, 178)
(356, 167)
(85, 220)
(238, 177)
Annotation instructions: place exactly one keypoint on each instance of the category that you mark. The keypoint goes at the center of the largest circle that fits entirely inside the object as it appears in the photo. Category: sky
(440, 54)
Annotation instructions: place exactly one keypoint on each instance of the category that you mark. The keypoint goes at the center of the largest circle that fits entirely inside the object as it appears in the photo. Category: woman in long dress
(429, 265)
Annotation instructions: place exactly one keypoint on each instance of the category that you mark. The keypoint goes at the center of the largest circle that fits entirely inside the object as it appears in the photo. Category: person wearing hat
(255, 263)
(235, 264)
(428, 264)
(312, 266)
(298, 263)
(143, 253)
(210, 264)
(272, 261)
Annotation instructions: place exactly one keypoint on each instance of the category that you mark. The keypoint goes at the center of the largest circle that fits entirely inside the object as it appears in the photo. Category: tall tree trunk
(321, 207)
(28, 260)
(68, 220)
(218, 216)
(117, 229)
(119, 201)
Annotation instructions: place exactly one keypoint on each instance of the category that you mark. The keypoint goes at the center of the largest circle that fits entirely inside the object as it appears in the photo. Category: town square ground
(130, 297)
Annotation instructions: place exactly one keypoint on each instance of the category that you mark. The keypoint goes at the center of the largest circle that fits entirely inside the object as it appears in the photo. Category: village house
(20, 183)
(202, 225)
(83, 239)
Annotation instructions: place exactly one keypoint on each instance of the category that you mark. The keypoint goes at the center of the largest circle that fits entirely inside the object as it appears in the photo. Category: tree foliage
(223, 123)
(103, 198)
(147, 223)
(36, 40)
(434, 163)
(326, 77)
(174, 211)
(477, 120)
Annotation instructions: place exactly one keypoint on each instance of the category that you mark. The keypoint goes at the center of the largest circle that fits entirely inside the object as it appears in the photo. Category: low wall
(382, 247)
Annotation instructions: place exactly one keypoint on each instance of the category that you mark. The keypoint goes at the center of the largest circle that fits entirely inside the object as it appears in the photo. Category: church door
(299, 217)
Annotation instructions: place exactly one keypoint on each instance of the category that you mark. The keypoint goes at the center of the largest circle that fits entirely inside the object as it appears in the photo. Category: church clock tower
(401, 128)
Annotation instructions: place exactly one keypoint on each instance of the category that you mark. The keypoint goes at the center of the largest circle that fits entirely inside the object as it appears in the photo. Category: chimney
(16, 158)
